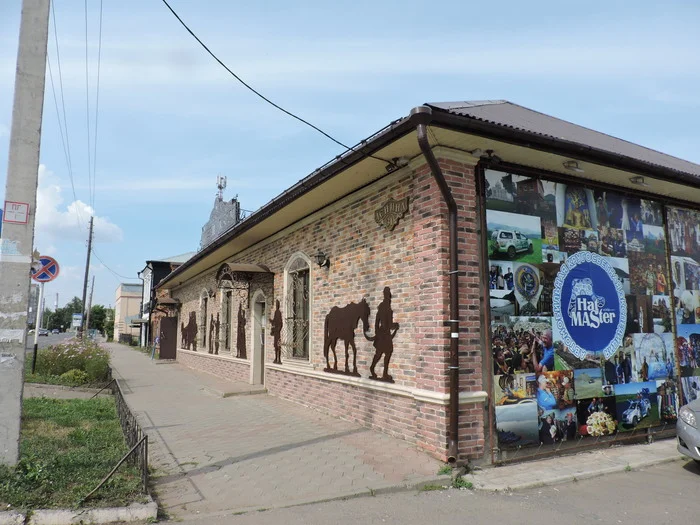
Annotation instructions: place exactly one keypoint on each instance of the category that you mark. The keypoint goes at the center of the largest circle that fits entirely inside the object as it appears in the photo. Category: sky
(171, 119)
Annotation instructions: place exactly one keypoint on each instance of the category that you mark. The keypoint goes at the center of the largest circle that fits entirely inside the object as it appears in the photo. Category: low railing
(136, 438)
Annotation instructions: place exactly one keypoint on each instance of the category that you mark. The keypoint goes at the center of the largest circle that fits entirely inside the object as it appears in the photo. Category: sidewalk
(214, 453)
(584, 465)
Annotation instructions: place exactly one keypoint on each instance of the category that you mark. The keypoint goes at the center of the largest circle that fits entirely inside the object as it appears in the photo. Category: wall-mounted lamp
(490, 156)
(396, 163)
(639, 181)
(322, 260)
(573, 166)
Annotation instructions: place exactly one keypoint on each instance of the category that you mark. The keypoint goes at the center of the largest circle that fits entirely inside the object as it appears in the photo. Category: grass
(67, 447)
(431, 487)
(73, 363)
(523, 257)
(461, 483)
(445, 470)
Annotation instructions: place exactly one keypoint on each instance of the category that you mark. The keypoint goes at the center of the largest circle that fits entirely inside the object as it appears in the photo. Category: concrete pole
(18, 237)
(82, 326)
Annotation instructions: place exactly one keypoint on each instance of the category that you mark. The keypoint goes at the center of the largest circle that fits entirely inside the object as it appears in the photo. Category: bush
(75, 377)
(70, 359)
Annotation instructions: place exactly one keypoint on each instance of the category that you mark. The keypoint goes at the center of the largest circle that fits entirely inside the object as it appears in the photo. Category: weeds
(67, 447)
(74, 363)
(445, 470)
(461, 483)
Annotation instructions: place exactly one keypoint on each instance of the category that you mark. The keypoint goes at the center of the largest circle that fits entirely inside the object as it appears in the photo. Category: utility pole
(87, 271)
(55, 305)
(16, 245)
(89, 305)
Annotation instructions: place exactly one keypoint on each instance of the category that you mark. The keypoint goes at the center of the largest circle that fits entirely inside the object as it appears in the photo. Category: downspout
(421, 116)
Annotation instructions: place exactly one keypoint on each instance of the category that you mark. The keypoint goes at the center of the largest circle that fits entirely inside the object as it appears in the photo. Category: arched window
(297, 276)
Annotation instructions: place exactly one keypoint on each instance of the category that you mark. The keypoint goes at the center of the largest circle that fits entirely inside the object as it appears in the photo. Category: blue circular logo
(589, 305)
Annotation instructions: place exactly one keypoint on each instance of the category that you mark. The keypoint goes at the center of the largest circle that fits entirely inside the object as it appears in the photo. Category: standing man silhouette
(240, 340)
(384, 331)
(276, 332)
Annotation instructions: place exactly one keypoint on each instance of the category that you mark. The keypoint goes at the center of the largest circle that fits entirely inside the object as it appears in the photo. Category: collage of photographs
(544, 394)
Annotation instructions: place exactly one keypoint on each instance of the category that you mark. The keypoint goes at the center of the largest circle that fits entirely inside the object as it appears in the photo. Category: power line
(118, 276)
(97, 108)
(263, 97)
(65, 118)
(87, 106)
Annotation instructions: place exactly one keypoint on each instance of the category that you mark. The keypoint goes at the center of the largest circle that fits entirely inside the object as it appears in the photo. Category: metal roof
(508, 115)
(183, 257)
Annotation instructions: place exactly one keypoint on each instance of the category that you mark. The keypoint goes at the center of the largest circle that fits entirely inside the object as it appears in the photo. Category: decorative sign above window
(391, 212)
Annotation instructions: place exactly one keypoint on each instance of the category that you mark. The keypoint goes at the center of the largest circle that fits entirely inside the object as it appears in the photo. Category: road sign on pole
(45, 270)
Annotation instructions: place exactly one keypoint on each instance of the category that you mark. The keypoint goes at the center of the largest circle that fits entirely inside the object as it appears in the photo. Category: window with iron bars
(296, 324)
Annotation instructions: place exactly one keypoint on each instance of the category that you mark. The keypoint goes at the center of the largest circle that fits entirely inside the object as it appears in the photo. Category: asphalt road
(44, 341)
(664, 494)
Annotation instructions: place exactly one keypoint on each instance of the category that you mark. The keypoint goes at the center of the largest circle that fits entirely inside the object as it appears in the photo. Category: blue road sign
(47, 269)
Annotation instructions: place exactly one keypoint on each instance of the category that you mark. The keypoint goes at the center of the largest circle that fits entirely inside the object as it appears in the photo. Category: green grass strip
(67, 447)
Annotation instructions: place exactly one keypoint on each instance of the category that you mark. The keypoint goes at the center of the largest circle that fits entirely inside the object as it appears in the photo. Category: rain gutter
(421, 116)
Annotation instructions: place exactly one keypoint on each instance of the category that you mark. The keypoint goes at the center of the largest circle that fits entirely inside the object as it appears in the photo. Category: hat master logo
(595, 310)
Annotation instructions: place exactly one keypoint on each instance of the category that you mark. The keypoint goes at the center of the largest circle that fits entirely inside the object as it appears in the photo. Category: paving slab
(214, 454)
(584, 465)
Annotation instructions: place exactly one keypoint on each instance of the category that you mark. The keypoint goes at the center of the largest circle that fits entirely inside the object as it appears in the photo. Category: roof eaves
(360, 151)
(521, 136)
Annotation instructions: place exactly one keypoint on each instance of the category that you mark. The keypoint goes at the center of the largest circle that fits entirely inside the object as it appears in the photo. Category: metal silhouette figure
(217, 329)
(276, 332)
(341, 324)
(384, 331)
(212, 330)
(240, 340)
(189, 333)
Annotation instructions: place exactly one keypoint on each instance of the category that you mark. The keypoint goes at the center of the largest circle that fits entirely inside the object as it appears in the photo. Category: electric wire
(97, 107)
(260, 95)
(87, 106)
(79, 218)
(118, 276)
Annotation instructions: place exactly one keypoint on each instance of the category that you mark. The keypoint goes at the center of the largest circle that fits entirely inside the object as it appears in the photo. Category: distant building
(223, 217)
(126, 310)
(154, 272)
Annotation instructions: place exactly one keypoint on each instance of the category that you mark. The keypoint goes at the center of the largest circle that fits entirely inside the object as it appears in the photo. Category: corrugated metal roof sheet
(509, 115)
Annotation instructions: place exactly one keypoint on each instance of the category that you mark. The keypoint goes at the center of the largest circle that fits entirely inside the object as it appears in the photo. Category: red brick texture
(412, 260)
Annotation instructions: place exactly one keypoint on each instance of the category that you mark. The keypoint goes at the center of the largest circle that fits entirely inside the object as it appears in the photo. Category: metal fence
(136, 438)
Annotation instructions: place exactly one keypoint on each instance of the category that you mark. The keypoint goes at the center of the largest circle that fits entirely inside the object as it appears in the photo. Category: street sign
(16, 212)
(46, 270)
(77, 320)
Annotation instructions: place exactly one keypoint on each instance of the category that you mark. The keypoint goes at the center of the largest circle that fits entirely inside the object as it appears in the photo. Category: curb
(134, 512)
(578, 476)
(408, 486)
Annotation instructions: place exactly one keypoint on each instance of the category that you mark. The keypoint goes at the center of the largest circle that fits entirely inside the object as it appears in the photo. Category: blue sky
(171, 119)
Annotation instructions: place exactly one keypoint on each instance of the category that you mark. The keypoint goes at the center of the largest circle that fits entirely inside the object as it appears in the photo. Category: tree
(98, 316)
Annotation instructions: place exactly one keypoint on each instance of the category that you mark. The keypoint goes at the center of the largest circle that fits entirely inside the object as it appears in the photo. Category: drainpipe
(422, 116)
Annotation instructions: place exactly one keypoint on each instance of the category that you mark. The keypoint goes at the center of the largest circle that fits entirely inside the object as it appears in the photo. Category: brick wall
(219, 366)
(413, 261)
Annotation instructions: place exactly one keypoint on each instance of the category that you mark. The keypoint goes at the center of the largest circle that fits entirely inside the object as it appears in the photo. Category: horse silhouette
(341, 324)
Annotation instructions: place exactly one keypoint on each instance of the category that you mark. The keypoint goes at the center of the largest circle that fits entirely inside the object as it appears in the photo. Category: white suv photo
(510, 242)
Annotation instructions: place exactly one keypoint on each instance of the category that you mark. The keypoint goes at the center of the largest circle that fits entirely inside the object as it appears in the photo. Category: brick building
(448, 290)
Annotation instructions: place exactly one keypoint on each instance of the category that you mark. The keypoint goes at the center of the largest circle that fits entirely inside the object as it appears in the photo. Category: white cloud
(56, 222)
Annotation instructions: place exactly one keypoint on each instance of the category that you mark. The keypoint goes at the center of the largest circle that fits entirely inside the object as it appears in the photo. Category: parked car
(510, 242)
(638, 409)
(55, 331)
(43, 331)
(688, 431)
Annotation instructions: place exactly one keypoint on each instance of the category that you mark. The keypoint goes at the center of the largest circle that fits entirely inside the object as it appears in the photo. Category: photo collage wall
(608, 360)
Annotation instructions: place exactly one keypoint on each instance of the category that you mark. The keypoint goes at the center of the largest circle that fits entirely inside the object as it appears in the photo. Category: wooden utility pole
(87, 271)
(89, 305)
(16, 245)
